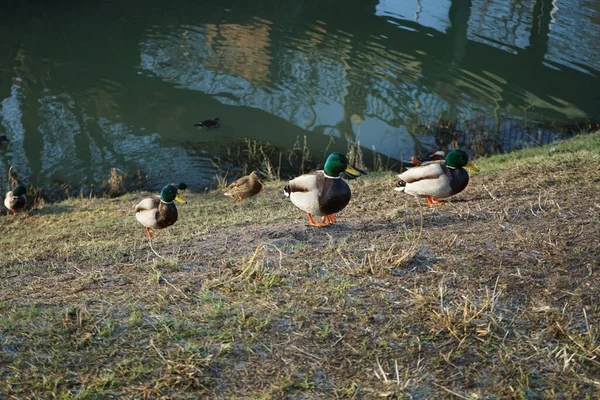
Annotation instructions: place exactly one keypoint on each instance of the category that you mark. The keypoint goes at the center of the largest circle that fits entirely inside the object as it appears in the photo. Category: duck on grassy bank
(437, 180)
(15, 199)
(245, 187)
(158, 212)
(322, 193)
(433, 155)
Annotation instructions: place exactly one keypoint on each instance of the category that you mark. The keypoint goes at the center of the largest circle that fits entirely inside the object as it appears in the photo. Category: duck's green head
(337, 163)
(169, 194)
(19, 191)
(458, 159)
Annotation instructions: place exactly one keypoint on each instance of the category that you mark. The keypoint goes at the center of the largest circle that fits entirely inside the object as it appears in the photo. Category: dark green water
(90, 85)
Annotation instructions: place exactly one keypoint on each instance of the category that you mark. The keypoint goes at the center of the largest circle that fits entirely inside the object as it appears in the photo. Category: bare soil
(493, 295)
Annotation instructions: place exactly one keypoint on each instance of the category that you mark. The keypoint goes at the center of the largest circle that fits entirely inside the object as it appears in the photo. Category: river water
(86, 86)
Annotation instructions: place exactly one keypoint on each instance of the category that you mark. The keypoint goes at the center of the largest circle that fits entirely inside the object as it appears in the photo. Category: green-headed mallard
(436, 180)
(158, 212)
(322, 193)
(244, 187)
(15, 199)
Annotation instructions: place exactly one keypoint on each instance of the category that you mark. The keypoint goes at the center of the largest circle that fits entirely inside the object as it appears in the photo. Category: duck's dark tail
(287, 191)
(400, 185)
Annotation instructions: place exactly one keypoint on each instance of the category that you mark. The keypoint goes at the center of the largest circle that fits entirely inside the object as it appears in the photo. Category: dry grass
(494, 295)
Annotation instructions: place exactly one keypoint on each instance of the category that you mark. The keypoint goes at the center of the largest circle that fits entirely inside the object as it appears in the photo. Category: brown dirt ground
(489, 296)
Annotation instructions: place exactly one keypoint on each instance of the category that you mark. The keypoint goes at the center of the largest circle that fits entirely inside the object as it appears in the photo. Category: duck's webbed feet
(431, 201)
(313, 222)
(329, 219)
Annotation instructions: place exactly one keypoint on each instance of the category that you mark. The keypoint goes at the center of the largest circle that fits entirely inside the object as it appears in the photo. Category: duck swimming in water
(437, 180)
(209, 123)
(322, 193)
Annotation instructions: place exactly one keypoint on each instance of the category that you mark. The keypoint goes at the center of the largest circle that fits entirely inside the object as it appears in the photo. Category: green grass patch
(493, 295)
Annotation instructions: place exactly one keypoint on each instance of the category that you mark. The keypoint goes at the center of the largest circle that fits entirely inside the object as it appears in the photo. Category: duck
(3, 139)
(322, 193)
(158, 212)
(209, 123)
(439, 179)
(433, 155)
(244, 187)
(15, 199)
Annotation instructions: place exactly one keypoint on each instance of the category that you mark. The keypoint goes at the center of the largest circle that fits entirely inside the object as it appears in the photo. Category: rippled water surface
(90, 85)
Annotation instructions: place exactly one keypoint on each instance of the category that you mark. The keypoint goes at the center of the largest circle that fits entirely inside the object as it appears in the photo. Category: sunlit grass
(558, 155)
(490, 296)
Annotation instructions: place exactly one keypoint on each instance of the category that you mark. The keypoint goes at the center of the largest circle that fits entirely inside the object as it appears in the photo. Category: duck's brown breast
(167, 215)
(459, 179)
(334, 196)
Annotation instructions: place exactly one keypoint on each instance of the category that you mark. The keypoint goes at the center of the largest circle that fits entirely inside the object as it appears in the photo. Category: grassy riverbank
(494, 295)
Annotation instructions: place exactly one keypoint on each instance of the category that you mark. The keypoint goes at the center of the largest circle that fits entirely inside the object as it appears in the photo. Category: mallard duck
(433, 155)
(322, 193)
(15, 199)
(209, 123)
(246, 186)
(158, 212)
(436, 180)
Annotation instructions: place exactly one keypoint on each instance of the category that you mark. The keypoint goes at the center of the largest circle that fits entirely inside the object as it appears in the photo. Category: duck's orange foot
(150, 235)
(431, 201)
(14, 212)
(313, 222)
(239, 199)
(329, 219)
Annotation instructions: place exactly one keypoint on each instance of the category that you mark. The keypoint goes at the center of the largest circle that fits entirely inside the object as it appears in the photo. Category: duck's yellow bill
(353, 171)
(179, 199)
(471, 167)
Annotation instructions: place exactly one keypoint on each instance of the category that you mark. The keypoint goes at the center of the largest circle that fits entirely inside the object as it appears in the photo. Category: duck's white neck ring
(330, 177)
(166, 202)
